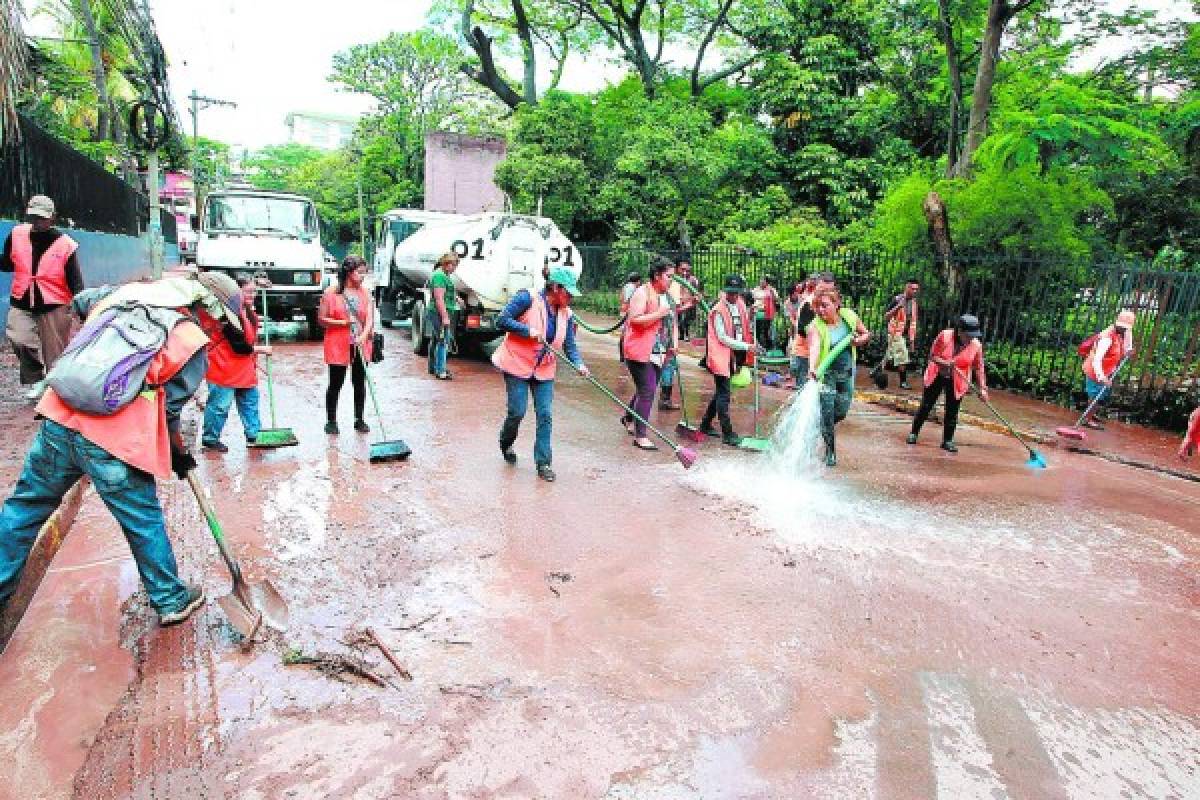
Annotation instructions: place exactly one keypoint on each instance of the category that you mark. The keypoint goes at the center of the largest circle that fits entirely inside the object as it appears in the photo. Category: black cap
(969, 324)
(734, 283)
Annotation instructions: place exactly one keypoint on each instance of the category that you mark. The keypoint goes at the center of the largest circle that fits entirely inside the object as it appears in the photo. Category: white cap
(40, 206)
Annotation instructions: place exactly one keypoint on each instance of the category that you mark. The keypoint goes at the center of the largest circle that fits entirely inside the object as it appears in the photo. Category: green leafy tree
(276, 167)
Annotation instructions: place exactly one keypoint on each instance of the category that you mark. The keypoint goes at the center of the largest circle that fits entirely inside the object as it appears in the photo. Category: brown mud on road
(912, 624)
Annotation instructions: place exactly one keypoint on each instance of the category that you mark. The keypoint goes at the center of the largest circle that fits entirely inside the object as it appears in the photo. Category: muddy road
(909, 625)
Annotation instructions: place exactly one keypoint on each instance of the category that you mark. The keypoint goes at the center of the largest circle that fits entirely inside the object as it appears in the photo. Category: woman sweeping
(831, 326)
(651, 339)
(233, 371)
(955, 358)
(340, 303)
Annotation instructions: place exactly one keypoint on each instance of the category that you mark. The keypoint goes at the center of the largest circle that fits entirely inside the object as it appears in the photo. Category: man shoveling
(121, 426)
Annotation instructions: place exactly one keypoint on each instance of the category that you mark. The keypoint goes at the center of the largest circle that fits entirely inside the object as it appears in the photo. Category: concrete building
(459, 173)
(318, 129)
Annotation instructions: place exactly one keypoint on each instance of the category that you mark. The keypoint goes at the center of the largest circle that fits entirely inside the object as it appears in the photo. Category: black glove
(182, 463)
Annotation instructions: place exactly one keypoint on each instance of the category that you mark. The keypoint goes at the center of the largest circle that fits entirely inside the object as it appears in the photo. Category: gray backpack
(104, 366)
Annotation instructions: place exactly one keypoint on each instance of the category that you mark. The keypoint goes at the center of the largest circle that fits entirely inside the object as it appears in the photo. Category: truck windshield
(261, 215)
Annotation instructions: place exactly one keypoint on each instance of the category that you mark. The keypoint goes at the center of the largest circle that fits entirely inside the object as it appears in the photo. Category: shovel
(686, 455)
(272, 436)
(684, 427)
(1075, 431)
(248, 606)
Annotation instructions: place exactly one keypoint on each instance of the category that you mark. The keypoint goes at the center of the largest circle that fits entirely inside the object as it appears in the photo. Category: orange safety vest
(720, 356)
(800, 340)
(896, 324)
(225, 367)
(338, 345)
(51, 277)
(137, 433)
(1112, 356)
(968, 360)
(521, 356)
(639, 339)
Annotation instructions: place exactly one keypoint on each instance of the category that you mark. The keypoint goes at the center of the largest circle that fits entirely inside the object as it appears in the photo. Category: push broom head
(394, 450)
(687, 456)
(1071, 433)
(1036, 460)
(275, 437)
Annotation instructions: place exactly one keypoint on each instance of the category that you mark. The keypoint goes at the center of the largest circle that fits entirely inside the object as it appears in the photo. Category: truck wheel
(315, 332)
(420, 344)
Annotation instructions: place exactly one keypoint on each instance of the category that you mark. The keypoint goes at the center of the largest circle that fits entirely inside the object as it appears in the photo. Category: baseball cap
(566, 279)
(40, 206)
(734, 283)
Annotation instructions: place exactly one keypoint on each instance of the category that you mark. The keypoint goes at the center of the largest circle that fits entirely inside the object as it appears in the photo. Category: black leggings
(358, 379)
(940, 383)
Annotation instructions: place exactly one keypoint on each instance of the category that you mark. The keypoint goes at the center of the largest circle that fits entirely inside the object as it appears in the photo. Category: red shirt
(337, 337)
(226, 367)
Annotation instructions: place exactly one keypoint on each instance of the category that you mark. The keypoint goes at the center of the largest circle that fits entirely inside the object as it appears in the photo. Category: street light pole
(199, 103)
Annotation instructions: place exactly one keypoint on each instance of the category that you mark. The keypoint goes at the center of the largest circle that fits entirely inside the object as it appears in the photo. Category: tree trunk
(998, 16)
(685, 237)
(99, 74)
(954, 71)
(935, 212)
(528, 55)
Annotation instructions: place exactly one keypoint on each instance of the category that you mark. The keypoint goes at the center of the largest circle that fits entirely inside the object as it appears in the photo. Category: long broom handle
(267, 343)
(214, 527)
(682, 397)
(1100, 396)
(992, 408)
(366, 372)
(562, 357)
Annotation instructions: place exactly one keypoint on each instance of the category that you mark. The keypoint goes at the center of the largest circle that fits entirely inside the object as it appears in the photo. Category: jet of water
(794, 443)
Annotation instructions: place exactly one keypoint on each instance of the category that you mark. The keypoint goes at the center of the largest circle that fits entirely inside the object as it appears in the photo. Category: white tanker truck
(499, 253)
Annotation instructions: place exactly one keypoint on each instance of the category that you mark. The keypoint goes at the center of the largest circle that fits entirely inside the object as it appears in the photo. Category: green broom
(755, 443)
(273, 436)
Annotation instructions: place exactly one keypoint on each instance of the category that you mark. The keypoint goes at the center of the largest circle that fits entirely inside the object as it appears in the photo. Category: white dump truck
(245, 230)
(499, 253)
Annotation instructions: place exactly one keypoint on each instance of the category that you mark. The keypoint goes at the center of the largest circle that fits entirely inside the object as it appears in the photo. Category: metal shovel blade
(255, 605)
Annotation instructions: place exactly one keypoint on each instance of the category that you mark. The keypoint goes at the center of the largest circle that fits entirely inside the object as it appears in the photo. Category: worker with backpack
(1103, 353)
(111, 411)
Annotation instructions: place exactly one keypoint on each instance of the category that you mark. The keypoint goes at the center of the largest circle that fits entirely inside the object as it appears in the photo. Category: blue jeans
(58, 458)
(667, 379)
(519, 390)
(439, 341)
(1096, 389)
(220, 398)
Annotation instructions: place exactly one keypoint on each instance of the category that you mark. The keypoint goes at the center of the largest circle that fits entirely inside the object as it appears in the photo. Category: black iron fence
(85, 195)
(1034, 311)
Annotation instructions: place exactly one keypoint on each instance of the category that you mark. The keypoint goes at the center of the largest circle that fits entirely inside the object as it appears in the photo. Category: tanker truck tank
(499, 255)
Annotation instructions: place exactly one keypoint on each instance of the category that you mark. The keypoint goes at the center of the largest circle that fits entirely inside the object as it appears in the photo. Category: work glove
(182, 463)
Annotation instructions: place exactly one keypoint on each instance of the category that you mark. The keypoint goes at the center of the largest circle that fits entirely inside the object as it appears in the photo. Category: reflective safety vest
(720, 355)
(897, 323)
(969, 362)
(225, 367)
(523, 357)
(819, 349)
(1112, 356)
(51, 277)
(137, 433)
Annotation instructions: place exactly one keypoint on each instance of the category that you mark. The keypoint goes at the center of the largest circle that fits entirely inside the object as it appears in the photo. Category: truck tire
(420, 343)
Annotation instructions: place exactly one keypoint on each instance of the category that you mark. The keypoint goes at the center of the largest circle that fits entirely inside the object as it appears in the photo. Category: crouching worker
(120, 425)
(531, 322)
(730, 338)
(233, 371)
(829, 328)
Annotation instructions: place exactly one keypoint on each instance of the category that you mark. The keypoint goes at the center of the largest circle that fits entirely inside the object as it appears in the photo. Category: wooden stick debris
(383, 648)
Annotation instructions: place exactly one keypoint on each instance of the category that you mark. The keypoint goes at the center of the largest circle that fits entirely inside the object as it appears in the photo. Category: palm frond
(13, 52)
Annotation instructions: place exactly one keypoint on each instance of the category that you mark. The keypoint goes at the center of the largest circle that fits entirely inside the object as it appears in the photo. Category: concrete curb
(909, 405)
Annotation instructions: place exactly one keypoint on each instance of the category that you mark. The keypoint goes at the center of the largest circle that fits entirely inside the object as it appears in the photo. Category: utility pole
(199, 103)
(362, 219)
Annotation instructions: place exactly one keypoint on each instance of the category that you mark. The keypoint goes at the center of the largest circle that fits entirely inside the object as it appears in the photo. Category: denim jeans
(439, 341)
(667, 379)
(56, 461)
(220, 398)
(519, 390)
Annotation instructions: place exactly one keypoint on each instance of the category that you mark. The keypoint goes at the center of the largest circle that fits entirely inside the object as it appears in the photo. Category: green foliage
(276, 166)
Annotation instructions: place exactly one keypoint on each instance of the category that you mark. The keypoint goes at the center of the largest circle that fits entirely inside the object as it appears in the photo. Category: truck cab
(276, 234)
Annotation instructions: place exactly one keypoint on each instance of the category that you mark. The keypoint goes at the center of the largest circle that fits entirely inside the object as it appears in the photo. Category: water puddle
(298, 508)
